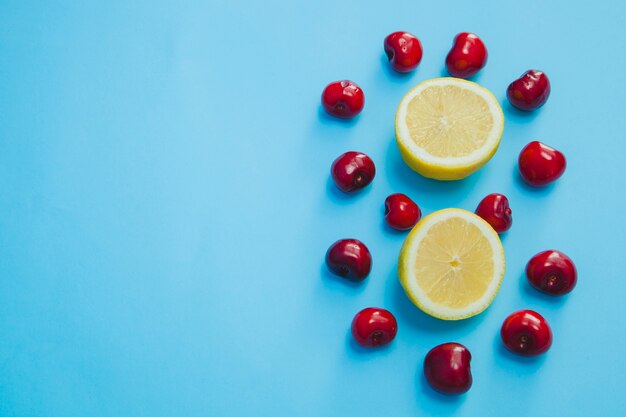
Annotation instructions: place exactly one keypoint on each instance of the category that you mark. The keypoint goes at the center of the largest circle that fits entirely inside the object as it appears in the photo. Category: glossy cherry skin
(540, 164)
(495, 210)
(530, 91)
(343, 99)
(526, 333)
(447, 368)
(349, 258)
(352, 171)
(373, 327)
(401, 212)
(467, 56)
(403, 50)
(552, 272)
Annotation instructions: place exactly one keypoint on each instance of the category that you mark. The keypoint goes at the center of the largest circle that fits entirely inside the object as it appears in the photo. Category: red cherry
(494, 209)
(552, 272)
(352, 171)
(447, 368)
(401, 212)
(343, 99)
(527, 333)
(467, 56)
(530, 91)
(373, 327)
(349, 258)
(540, 164)
(403, 50)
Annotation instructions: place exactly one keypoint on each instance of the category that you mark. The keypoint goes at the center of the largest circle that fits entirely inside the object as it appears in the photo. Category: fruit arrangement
(452, 262)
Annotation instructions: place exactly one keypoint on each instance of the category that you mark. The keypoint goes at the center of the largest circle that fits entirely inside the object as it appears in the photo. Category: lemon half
(452, 264)
(448, 128)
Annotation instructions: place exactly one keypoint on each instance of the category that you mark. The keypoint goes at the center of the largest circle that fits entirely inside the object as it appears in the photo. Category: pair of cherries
(447, 366)
(351, 258)
(353, 171)
(468, 55)
(551, 271)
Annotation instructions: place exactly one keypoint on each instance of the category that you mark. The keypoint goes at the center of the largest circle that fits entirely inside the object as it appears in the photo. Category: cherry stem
(552, 280)
(377, 337)
(360, 178)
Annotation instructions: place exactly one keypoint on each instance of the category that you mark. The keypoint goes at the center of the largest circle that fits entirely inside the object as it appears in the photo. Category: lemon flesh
(448, 128)
(452, 264)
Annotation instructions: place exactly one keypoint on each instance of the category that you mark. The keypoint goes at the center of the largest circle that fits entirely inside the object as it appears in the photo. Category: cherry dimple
(343, 99)
(540, 164)
(349, 258)
(447, 368)
(495, 210)
(401, 212)
(552, 272)
(352, 171)
(403, 50)
(526, 333)
(530, 91)
(467, 56)
(372, 327)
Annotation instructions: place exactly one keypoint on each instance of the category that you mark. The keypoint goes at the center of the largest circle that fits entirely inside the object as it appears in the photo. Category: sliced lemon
(448, 128)
(451, 264)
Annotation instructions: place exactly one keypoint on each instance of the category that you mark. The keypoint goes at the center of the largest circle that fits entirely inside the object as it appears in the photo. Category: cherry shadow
(513, 114)
(326, 119)
(539, 191)
(475, 78)
(527, 290)
(525, 364)
(334, 194)
(393, 75)
(390, 231)
(363, 353)
(424, 388)
(335, 282)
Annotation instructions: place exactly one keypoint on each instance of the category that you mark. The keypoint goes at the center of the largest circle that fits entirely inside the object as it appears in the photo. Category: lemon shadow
(410, 314)
(400, 173)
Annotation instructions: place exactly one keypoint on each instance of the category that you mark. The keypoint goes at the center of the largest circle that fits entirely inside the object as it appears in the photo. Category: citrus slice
(448, 128)
(451, 264)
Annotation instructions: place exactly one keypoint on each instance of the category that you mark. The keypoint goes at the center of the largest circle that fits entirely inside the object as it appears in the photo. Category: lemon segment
(452, 264)
(448, 128)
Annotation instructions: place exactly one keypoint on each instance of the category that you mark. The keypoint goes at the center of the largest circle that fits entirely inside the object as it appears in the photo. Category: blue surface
(165, 207)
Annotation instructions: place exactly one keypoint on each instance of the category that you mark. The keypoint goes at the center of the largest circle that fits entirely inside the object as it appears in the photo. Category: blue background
(165, 207)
